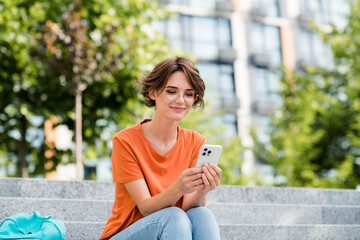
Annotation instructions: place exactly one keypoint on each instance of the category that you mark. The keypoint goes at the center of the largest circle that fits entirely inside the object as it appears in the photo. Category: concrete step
(92, 231)
(242, 212)
(227, 213)
(93, 190)
(62, 209)
(284, 214)
(285, 195)
(43, 188)
(289, 232)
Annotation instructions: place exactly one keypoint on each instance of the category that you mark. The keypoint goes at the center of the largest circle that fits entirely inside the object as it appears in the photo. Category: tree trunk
(22, 169)
(78, 135)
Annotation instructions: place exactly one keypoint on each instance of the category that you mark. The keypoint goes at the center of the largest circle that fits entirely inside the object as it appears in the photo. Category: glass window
(203, 29)
(325, 11)
(205, 37)
(266, 85)
(265, 39)
(202, 36)
(224, 32)
(219, 80)
(337, 12)
(173, 29)
(262, 124)
(230, 120)
(208, 4)
(313, 50)
(205, 50)
(271, 7)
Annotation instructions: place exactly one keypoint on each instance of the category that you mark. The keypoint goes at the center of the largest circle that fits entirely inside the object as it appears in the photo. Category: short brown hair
(158, 78)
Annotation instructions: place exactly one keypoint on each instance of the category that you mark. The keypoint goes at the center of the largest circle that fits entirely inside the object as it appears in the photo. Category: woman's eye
(170, 92)
(190, 94)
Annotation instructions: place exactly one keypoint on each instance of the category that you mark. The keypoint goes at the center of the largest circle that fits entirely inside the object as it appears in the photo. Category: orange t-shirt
(133, 158)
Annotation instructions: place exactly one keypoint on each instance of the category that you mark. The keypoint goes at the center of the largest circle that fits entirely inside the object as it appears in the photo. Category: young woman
(159, 194)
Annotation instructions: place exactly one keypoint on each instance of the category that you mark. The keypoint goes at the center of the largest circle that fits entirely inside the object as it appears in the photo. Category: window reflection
(208, 4)
(220, 89)
(267, 86)
(271, 7)
(262, 124)
(326, 11)
(230, 121)
(201, 36)
(219, 79)
(313, 51)
(265, 39)
(204, 37)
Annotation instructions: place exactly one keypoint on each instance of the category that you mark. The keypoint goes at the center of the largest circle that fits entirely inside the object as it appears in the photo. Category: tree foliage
(315, 136)
(38, 65)
(26, 89)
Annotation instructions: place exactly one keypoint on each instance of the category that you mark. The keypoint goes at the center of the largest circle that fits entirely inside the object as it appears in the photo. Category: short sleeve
(199, 140)
(125, 166)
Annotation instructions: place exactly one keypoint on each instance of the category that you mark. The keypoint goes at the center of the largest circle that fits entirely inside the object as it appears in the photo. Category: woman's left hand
(211, 177)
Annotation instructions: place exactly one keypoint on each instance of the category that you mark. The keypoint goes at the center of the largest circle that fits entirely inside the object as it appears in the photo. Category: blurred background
(282, 77)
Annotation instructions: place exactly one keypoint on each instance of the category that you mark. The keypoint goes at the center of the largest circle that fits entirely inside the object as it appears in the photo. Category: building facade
(239, 46)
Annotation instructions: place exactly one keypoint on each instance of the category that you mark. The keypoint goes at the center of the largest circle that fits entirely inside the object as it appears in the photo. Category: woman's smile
(178, 109)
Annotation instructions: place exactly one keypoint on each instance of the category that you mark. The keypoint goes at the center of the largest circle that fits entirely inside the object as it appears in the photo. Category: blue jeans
(173, 223)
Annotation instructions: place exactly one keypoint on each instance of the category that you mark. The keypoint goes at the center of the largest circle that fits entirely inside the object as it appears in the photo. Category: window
(270, 7)
(202, 36)
(313, 51)
(208, 4)
(336, 11)
(205, 37)
(265, 39)
(326, 11)
(266, 88)
(219, 79)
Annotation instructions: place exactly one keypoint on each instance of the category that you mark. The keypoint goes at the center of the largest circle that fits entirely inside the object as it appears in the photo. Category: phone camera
(205, 149)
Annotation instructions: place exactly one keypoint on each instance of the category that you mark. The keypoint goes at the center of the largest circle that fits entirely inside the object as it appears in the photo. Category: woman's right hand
(190, 181)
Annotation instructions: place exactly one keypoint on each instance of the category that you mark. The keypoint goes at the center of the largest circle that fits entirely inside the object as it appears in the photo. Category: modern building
(240, 44)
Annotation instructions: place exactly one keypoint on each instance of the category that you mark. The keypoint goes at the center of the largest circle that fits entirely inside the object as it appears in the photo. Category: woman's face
(176, 100)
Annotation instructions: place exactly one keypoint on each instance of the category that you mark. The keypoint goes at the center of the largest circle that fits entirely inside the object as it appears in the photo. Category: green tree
(26, 89)
(50, 51)
(98, 49)
(314, 137)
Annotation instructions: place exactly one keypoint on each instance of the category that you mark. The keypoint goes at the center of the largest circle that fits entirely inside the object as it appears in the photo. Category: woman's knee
(204, 223)
(176, 216)
(201, 216)
(200, 212)
(176, 222)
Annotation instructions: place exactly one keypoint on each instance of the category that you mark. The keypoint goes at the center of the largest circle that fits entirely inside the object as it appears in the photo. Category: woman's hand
(211, 177)
(190, 181)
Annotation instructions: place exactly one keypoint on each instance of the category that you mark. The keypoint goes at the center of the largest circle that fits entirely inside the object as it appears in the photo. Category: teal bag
(32, 226)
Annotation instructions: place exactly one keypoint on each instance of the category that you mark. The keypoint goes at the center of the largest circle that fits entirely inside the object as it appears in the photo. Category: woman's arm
(189, 181)
(211, 178)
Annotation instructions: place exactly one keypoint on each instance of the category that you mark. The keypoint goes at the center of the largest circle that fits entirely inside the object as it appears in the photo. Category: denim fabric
(173, 224)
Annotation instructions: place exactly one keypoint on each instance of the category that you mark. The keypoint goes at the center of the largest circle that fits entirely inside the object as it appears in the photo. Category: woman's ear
(153, 94)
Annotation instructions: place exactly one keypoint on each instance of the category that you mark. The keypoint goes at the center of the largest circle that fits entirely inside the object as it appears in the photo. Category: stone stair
(243, 212)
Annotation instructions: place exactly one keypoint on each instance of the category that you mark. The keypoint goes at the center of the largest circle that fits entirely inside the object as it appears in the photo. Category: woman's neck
(161, 135)
(161, 130)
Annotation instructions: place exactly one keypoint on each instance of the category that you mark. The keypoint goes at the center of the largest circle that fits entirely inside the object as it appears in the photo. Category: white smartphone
(209, 154)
